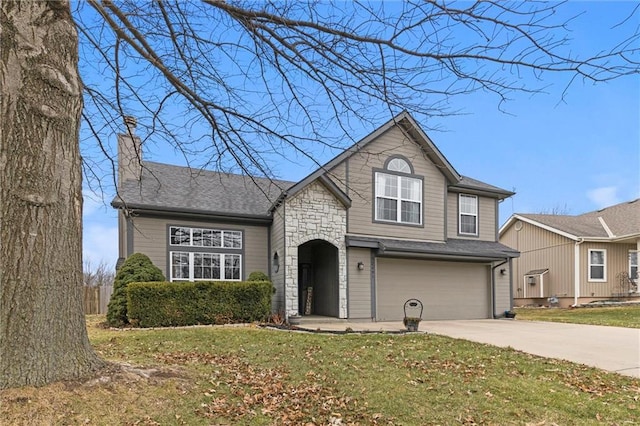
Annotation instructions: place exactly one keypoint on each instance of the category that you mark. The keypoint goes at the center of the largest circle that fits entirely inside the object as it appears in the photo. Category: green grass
(255, 376)
(618, 316)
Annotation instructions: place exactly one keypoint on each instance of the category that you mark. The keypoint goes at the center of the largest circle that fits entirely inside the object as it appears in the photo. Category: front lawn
(618, 316)
(255, 376)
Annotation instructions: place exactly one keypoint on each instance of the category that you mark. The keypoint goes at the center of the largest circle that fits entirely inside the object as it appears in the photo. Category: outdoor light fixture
(360, 266)
(503, 271)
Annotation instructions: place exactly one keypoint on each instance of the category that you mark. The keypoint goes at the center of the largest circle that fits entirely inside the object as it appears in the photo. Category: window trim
(398, 157)
(398, 199)
(634, 279)
(604, 266)
(190, 249)
(223, 239)
(191, 263)
(476, 215)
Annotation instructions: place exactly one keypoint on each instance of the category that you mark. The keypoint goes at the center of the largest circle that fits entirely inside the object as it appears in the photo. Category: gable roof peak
(409, 126)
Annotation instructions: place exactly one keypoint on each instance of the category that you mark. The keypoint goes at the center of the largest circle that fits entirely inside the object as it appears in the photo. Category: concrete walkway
(614, 349)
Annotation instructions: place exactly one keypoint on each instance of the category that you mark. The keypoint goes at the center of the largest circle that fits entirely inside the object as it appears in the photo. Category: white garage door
(448, 290)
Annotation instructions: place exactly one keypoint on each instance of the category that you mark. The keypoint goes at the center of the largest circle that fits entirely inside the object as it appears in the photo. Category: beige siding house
(387, 220)
(575, 259)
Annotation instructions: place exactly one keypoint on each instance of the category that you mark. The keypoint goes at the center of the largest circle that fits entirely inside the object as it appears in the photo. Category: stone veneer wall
(314, 214)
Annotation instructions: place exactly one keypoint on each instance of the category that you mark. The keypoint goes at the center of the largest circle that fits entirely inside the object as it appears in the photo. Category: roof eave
(500, 194)
(416, 132)
(540, 225)
(343, 155)
(143, 209)
(467, 257)
(354, 241)
(335, 190)
(613, 239)
(408, 125)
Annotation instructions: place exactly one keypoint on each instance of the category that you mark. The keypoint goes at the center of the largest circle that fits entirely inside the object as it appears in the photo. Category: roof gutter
(501, 195)
(613, 239)
(438, 256)
(194, 214)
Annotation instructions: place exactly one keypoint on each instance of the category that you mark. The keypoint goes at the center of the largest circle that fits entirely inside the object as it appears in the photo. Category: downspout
(284, 257)
(493, 288)
(576, 271)
(510, 283)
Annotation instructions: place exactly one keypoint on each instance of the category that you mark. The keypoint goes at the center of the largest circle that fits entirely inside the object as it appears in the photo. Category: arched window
(399, 165)
(398, 194)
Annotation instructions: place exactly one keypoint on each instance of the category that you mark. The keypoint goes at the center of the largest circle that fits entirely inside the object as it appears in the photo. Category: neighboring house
(576, 259)
(387, 220)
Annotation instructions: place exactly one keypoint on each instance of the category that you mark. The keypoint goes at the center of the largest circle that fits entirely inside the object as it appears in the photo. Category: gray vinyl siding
(150, 238)
(617, 261)
(487, 214)
(361, 189)
(487, 218)
(359, 283)
(540, 249)
(277, 246)
(502, 296)
(339, 176)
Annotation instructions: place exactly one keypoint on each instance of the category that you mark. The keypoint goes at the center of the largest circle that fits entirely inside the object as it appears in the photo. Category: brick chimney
(129, 152)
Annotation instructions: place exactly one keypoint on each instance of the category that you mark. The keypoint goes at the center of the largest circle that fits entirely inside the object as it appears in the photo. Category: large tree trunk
(43, 336)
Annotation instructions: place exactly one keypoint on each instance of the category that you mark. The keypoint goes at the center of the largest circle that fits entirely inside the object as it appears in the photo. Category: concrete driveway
(614, 349)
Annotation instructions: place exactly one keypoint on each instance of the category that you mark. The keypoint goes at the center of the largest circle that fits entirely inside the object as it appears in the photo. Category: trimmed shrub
(258, 276)
(165, 304)
(137, 268)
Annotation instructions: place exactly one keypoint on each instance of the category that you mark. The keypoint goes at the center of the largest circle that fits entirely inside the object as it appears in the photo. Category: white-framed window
(633, 265)
(399, 165)
(194, 266)
(597, 265)
(204, 237)
(468, 214)
(398, 197)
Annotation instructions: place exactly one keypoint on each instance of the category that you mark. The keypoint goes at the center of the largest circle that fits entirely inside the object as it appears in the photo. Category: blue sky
(578, 152)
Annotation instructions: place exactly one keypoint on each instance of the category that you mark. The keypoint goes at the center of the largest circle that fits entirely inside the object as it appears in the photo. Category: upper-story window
(398, 193)
(468, 214)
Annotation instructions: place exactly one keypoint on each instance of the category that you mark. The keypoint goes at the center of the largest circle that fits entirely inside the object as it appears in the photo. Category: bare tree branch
(288, 79)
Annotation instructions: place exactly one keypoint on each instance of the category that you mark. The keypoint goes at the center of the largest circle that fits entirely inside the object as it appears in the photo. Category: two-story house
(386, 220)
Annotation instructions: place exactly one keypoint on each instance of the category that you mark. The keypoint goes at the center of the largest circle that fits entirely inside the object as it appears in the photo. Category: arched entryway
(318, 282)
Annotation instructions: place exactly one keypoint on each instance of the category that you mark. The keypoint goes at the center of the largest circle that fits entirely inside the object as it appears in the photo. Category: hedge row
(165, 304)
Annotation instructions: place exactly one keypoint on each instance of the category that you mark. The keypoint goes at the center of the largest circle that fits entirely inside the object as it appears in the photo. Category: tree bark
(43, 335)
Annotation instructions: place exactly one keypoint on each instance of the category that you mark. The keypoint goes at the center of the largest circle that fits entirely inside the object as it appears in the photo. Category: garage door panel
(448, 290)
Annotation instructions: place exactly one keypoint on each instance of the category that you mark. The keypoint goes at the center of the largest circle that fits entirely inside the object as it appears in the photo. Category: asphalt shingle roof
(177, 188)
(181, 189)
(467, 182)
(622, 219)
